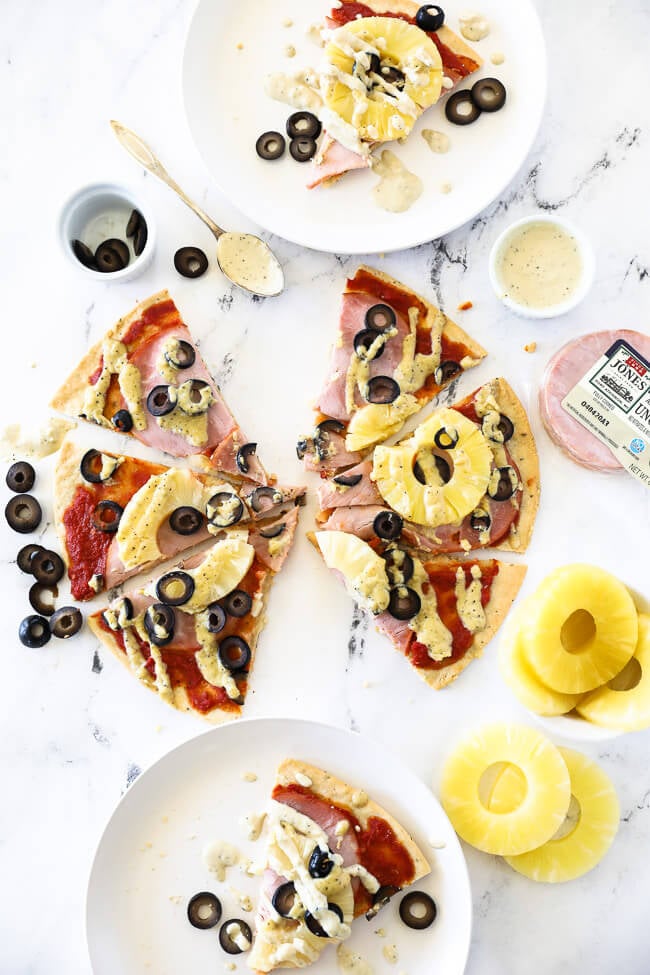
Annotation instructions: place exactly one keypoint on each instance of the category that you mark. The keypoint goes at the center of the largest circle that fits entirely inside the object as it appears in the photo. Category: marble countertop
(76, 730)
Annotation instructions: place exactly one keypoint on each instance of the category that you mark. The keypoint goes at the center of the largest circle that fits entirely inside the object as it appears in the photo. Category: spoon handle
(144, 155)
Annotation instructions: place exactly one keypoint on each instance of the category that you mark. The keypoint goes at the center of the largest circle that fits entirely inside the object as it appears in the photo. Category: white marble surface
(75, 729)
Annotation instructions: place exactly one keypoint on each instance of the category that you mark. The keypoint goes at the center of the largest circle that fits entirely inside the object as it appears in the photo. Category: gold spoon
(245, 259)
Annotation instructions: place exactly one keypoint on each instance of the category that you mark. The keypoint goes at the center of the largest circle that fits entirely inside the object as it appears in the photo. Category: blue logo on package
(637, 446)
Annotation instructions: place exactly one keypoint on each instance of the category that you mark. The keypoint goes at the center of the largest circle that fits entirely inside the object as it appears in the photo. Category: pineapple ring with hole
(435, 504)
(375, 114)
(581, 629)
(543, 808)
(580, 848)
(621, 704)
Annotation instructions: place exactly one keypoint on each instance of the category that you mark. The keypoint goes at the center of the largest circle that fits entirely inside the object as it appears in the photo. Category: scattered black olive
(123, 421)
(315, 927)
(225, 509)
(270, 145)
(21, 477)
(303, 148)
(261, 495)
(134, 220)
(443, 468)
(461, 109)
(91, 467)
(380, 899)
(380, 318)
(393, 76)
(330, 426)
(234, 654)
(273, 530)
(204, 910)
(106, 516)
(284, 898)
(215, 618)
(182, 356)
(175, 588)
(506, 484)
(364, 340)
(404, 603)
(417, 910)
(191, 262)
(488, 94)
(161, 400)
(41, 598)
(505, 426)
(399, 565)
(320, 863)
(382, 389)
(446, 439)
(159, 622)
(446, 371)
(303, 124)
(23, 513)
(47, 567)
(66, 622)
(108, 259)
(430, 17)
(388, 525)
(84, 254)
(140, 238)
(237, 603)
(34, 632)
(185, 520)
(121, 248)
(226, 940)
(244, 452)
(480, 520)
(347, 480)
(26, 555)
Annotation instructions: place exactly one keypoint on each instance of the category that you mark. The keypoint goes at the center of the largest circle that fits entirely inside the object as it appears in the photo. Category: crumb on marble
(366, 684)
(249, 777)
(175, 898)
(466, 305)
(288, 22)
(240, 46)
(531, 347)
(165, 819)
(446, 188)
(289, 51)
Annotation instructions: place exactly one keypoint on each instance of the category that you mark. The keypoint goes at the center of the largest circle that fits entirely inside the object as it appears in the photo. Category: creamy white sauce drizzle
(436, 141)
(498, 57)
(351, 962)
(398, 188)
(247, 261)
(540, 265)
(473, 26)
(218, 856)
(16, 443)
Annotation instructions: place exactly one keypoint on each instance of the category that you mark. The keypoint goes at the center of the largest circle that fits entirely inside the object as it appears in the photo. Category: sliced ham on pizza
(147, 379)
(440, 613)
(332, 854)
(394, 352)
(117, 515)
(466, 478)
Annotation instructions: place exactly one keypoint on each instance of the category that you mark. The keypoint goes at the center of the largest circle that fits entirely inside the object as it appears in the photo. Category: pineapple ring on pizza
(624, 703)
(383, 72)
(439, 475)
(581, 629)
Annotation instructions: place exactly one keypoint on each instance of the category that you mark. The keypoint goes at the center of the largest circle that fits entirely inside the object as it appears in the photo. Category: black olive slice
(364, 340)
(505, 426)
(399, 565)
(47, 567)
(273, 531)
(347, 480)
(244, 452)
(446, 439)
(380, 899)
(443, 468)
(303, 124)
(26, 555)
(21, 477)
(505, 487)
(303, 148)
(237, 603)
(446, 371)
(204, 910)
(23, 513)
(119, 246)
(234, 654)
(393, 76)
(488, 94)
(480, 520)
(270, 145)
(315, 927)
(162, 400)
(41, 598)
(382, 389)
(404, 603)
(121, 612)
(190, 262)
(215, 618)
(182, 356)
(106, 516)
(263, 494)
(194, 397)
(461, 109)
(380, 318)
(34, 631)
(388, 525)
(175, 588)
(284, 898)
(66, 622)
(417, 910)
(140, 237)
(224, 509)
(134, 221)
(108, 259)
(159, 622)
(430, 17)
(233, 931)
(185, 520)
(83, 254)
(330, 426)
(320, 863)
(91, 466)
(123, 421)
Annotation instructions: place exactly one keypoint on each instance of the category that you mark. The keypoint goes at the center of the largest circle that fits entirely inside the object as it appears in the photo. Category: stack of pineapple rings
(579, 644)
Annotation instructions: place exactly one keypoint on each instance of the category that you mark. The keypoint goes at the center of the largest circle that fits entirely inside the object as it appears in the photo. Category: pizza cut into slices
(466, 478)
(118, 515)
(146, 378)
(332, 853)
(394, 352)
(440, 613)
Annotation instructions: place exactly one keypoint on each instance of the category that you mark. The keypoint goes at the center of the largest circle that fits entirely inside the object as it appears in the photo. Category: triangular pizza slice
(394, 352)
(118, 515)
(332, 854)
(146, 378)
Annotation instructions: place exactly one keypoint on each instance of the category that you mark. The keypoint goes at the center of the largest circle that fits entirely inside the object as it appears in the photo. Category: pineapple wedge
(622, 704)
(543, 808)
(363, 571)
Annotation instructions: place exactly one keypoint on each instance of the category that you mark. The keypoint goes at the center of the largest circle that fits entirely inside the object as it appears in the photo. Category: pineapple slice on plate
(587, 832)
(581, 629)
(532, 821)
(363, 571)
(624, 703)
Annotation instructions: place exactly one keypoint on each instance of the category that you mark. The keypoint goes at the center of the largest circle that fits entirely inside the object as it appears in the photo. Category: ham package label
(613, 402)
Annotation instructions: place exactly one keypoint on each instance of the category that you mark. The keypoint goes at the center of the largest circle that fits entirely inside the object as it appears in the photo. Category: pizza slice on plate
(393, 354)
(332, 854)
(147, 379)
(118, 515)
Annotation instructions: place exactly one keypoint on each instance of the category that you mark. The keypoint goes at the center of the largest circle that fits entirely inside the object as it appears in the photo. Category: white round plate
(232, 47)
(148, 863)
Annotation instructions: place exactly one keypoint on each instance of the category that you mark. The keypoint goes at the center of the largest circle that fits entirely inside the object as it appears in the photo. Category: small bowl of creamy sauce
(541, 266)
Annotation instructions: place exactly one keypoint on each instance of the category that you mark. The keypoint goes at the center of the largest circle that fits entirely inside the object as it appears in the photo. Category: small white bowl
(100, 211)
(586, 280)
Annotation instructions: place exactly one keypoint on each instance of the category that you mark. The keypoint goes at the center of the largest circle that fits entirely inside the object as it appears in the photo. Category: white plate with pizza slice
(150, 862)
(232, 48)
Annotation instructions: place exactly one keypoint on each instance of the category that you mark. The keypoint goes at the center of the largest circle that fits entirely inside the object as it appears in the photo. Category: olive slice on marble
(264, 497)
(106, 516)
(135, 219)
(380, 898)
(270, 145)
(204, 910)
(320, 863)
(480, 520)
(430, 17)
(119, 246)
(303, 123)
(159, 622)
(235, 936)
(66, 622)
(96, 467)
(363, 342)
(388, 525)
(162, 400)
(47, 567)
(21, 477)
(23, 513)
(489, 94)
(182, 355)
(303, 148)
(446, 371)
(382, 389)
(34, 632)
(186, 520)
(119, 615)
(347, 480)
(224, 509)
(393, 76)
(314, 925)
(123, 421)
(399, 565)
(41, 598)
(245, 451)
(505, 428)
(461, 109)
(140, 237)
(194, 397)
(404, 603)
(273, 531)
(380, 318)
(445, 438)
(214, 618)
(284, 899)
(190, 262)
(83, 254)
(503, 486)
(234, 654)
(237, 603)
(26, 555)
(175, 588)
(107, 259)
(417, 910)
